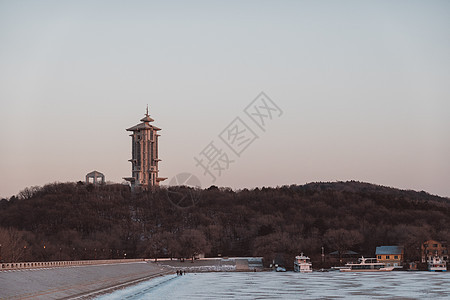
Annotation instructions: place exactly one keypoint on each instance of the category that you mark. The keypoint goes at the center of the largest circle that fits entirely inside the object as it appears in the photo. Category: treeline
(74, 221)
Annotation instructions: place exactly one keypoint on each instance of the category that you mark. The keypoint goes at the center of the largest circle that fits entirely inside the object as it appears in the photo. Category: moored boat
(366, 265)
(437, 264)
(302, 264)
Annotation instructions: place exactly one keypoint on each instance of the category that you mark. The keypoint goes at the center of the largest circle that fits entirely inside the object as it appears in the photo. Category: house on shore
(432, 248)
(392, 256)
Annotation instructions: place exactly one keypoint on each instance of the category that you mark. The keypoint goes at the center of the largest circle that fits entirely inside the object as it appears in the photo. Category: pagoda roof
(143, 126)
(147, 119)
(140, 127)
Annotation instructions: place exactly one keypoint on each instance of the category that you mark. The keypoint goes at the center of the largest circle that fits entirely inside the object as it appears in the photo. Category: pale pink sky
(363, 86)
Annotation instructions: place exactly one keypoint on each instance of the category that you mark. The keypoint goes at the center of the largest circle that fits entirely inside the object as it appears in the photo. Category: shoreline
(74, 281)
(85, 280)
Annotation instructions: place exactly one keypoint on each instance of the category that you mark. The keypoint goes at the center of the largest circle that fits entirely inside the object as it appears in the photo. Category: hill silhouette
(72, 221)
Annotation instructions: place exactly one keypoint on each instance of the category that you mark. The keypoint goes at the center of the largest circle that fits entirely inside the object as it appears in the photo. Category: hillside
(77, 221)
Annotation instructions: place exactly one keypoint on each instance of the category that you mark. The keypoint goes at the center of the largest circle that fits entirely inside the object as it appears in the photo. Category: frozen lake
(290, 285)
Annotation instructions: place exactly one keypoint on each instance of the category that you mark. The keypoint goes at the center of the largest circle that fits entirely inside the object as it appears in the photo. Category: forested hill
(77, 221)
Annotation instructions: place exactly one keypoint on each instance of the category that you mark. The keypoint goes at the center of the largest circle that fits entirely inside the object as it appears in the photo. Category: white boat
(302, 264)
(366, 265)
(436, 264)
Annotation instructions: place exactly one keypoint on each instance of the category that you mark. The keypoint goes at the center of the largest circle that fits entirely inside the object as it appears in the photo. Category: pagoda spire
(147, 118)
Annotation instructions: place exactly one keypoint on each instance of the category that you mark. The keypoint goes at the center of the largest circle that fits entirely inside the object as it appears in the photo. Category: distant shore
(217, 264)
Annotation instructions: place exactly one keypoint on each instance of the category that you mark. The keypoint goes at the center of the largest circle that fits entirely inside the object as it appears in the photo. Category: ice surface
(289, 285)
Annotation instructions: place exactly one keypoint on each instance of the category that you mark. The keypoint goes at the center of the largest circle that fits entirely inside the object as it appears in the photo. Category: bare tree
(12, 245)
(28, 192)
(193, 242)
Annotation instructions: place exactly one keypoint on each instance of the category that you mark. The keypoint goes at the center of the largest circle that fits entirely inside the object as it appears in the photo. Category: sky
(354, 90)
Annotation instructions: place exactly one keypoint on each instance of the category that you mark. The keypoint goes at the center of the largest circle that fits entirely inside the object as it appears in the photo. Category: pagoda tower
(144, 149)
